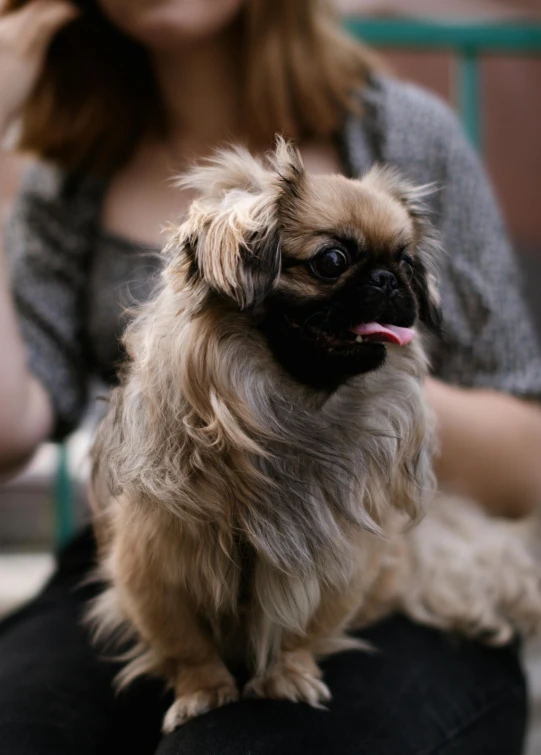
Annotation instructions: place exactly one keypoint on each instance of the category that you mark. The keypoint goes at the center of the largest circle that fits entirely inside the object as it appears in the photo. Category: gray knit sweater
(71, 280)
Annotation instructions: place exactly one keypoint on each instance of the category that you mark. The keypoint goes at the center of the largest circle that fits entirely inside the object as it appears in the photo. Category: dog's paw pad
(196, 703)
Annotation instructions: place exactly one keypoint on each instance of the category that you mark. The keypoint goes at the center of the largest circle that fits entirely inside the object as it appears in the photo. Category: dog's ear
(232, 233)
(428, 250)
(288, 167)
(235, 245)
(424, 283)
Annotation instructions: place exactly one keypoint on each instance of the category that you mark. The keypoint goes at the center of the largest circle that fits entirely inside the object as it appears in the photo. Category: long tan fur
(241, 515)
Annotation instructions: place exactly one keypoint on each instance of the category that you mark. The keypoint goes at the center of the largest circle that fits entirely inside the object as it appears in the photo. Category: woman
(128, 93)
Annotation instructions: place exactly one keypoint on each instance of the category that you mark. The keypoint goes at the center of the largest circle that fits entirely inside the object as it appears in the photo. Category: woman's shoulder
(49, 196)
(417, 106)
(414, 127)
(48, 183)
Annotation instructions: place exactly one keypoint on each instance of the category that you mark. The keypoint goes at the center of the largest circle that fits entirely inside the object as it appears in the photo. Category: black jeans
(421, 693)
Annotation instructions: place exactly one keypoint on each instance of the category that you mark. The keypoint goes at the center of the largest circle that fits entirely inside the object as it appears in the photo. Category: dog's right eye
(329, 264)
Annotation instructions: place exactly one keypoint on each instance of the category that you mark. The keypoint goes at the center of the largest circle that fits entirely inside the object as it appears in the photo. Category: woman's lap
(420, 693)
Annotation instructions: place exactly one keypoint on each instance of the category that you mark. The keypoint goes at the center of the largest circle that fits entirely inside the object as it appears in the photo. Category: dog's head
(332, 270)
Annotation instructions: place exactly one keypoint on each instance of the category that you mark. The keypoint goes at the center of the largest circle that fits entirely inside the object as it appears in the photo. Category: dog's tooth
(359, 339)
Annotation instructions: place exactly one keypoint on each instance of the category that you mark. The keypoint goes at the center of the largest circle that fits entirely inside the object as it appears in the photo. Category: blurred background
(508, 134)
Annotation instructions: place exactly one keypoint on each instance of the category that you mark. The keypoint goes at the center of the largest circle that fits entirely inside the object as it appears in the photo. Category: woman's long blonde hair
(96, 95)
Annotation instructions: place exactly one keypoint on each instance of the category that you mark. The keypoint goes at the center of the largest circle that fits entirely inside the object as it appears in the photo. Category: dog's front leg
(175, 643)
(285, 655)
(200, 678)
(294, 675)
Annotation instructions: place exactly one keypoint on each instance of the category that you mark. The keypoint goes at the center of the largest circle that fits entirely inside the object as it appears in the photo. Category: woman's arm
(48, 246)
(490, 447)
(26, 416)
(490, 430)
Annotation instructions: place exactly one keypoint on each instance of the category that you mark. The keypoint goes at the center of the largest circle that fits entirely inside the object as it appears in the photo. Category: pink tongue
(373, 331)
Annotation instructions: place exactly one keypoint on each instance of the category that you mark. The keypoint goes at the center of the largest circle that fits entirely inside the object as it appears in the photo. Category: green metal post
(469, 95)
(63, 509)
(469, 39)
(448, 33)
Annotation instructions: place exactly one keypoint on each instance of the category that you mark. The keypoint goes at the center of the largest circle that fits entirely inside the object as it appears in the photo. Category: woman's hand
(25, 35)
(490, 447)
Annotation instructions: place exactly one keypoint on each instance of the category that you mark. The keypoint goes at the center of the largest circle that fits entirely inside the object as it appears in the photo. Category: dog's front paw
(198, 698)
(294, 677)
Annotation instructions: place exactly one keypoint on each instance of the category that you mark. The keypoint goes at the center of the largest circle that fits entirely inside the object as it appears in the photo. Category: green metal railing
(63, 522)
(469, 40)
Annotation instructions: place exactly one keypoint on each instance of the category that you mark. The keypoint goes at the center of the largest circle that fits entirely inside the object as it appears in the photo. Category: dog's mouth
(370, 332)
(383, 333)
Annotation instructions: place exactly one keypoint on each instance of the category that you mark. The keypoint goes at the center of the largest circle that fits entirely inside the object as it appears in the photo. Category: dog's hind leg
(473, 573)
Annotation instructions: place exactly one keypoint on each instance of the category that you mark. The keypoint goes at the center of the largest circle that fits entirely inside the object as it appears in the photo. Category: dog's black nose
(383, 279)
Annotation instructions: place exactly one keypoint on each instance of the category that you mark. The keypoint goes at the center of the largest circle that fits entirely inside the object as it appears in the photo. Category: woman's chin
(165, 26)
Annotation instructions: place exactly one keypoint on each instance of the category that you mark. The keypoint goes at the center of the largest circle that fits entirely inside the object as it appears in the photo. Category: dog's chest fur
(307, 517)
(256, 535)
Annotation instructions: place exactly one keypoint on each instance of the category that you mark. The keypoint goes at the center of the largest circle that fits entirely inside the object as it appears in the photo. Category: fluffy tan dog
(269, 444)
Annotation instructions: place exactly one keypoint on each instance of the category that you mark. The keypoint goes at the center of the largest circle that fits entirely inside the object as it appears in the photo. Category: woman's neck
(201, 88)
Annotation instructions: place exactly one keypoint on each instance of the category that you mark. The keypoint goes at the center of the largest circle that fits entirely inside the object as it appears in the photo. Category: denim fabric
(419, 693)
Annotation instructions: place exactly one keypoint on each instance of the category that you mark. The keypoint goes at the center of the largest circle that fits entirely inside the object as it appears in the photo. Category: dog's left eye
(330, 264)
